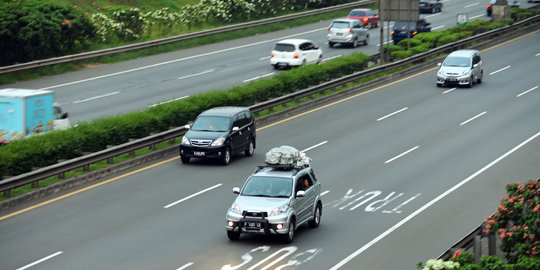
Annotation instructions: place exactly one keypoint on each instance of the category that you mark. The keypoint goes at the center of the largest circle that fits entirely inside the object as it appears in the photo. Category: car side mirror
(300, 193)
(428, 24)
(236, 190)
(475, 66)
(64, 115)
(235, 128)
(187, 126)
(439, 64)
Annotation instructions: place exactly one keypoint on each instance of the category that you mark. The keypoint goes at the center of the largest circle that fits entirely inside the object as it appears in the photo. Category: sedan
(430, 6)
(294, 53)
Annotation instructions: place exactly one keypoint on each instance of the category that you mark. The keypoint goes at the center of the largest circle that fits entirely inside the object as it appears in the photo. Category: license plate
(198, 153)
(252, 225)
(339, 34)
(451, 79)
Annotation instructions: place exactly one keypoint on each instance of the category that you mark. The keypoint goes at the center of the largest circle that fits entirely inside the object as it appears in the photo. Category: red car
(366, 16)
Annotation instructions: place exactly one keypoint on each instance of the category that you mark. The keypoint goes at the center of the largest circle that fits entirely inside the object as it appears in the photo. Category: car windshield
(265, 186)
(357, 13)
(211, 123)
(456, 62)
(283, 47)
(340, 25)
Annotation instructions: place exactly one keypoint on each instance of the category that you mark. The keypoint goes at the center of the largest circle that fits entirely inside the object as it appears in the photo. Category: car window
(357, 13)
(357, 25)
(303, 182)
(370, 13)
(340, 25)
(306, 46)
(266, 186)
(239, 120)
(211, 123)
(403, 25)
(455, 61)
(476, 59)
(283, 47)
(249, 117)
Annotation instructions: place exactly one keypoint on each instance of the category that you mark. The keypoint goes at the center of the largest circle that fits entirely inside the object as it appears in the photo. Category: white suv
(275, 200)
(294, 53)
(462, 67)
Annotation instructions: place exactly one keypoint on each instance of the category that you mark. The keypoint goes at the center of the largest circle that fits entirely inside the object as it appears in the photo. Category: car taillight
(365, 19)
(393, 32)
(271, 54)
(489, 6)
(429, 4)
(414, 33)
(350, 30)
(329, 27)
(295, 55)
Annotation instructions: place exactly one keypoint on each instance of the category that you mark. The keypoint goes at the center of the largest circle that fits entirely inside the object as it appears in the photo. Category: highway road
(138, 84)
(407, 170)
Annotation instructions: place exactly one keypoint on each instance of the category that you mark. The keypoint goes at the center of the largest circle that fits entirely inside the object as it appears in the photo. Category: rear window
(403, 25)
(340, 25)
(357, 13)
(281, 47)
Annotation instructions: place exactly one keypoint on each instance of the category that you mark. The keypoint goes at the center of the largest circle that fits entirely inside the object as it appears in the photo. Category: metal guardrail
(157, 42)
(35, 176)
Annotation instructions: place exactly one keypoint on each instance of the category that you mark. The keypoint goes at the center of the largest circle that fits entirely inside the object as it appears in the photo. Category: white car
(294, 53)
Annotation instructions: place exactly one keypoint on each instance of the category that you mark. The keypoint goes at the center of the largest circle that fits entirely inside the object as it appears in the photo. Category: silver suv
(276, 199)
(462, 67)
(347, 31)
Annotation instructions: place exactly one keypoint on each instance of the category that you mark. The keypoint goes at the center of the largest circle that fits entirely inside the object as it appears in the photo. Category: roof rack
(282, 167)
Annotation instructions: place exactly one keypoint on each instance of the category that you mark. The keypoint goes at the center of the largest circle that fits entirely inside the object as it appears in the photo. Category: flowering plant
(517, 220)
(440, 265)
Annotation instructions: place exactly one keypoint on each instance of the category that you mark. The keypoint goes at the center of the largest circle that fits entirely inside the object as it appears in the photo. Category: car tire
(320, 59)
(303, 62)
(184, 159)
(369, 25)
(366, 41)
(226, 157)
(251, 149)
(355, 43)
(480, 78)
(314, 223)
(289, 236)
(471, 80)
(233, 236)
(439, 85)
(276, 67)
(330, 44)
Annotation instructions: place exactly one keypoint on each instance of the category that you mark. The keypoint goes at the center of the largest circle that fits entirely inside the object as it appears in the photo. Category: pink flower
(457, 253)
(537, 208)
(66, 22)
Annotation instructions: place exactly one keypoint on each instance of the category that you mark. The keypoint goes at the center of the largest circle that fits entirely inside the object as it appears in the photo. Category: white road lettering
(429, 204)
(396, 210)
(192, 195)
(295, 260)
(372, 206)
(40, 260)
(360, 198)
(370, 195)
(246, 258)
(288, 251)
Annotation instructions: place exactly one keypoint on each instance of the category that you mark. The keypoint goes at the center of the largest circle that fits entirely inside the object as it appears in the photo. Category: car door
(238, 137)
(309, 51)
(360, 30)
(305, 204)
(476, 66)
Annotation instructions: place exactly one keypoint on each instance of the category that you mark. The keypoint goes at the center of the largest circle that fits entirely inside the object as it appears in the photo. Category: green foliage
(397, 55)
(37, 29)
(464, 258)
(492, 263)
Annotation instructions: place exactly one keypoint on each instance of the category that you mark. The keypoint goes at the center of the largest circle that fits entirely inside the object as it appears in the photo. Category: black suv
(219, 133)
(399, 31)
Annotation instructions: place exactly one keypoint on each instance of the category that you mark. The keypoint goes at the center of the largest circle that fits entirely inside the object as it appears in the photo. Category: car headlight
(236, 209)
(278, 210)
(185, 140)
(218, 142)
(463, 73)
(440, 73)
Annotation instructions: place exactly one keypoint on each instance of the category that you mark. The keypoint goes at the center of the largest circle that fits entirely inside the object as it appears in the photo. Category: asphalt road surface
(138, 84)
(407, 170)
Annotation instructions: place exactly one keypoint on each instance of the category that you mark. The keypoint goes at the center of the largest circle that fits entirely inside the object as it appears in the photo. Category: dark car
(366, 16)
(399, 31)
(430, 6)
(219, 133)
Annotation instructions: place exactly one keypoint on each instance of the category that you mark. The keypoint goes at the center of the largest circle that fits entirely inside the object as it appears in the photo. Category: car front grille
(255, 214)
(200, 143)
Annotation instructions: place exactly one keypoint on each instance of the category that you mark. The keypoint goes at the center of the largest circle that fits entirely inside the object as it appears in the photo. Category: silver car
(275, 201)
(462, 67)
(347, 31)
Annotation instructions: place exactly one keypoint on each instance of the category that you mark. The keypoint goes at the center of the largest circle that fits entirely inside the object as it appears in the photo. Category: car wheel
(330, 44)
(369, 25)
(480, 78)
(320, 59)
(289, 237)
(276, 66)
(233, 235)
(184, 159)
(439, 85)
(314, 223)
(355, 43)
(366, 40)
(251, 149)
(226, 157)
(470, 82)
(304, 62)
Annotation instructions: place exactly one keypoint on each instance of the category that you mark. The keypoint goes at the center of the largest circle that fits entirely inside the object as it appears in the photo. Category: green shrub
(492, 263)
(397, 55)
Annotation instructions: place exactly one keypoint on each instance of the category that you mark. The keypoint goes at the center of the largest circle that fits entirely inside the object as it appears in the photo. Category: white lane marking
(258, 77)
(429, 204)
(264, 58)
(538, 54)
(477, 16)
(534, 88)
(449, 90)
(192, 195)
(196, 74)
(96, 97)
(471, 119)
(163, 102)
(432, 15)
(179, 60)
(185, 266)
(472, 5)
(317, 145)
(324, 192)
(40, 261)
(497, 71)
(396, 112)
(438, 27)
(330, 58)
(402, 154)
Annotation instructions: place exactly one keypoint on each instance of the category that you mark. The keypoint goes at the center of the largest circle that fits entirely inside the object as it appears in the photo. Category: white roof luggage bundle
(286, 156)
